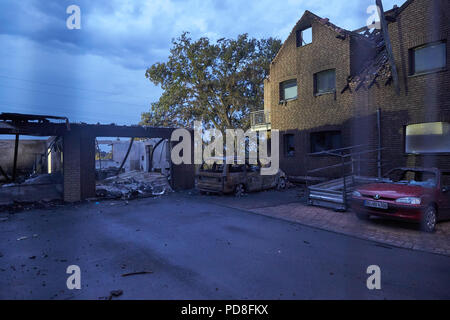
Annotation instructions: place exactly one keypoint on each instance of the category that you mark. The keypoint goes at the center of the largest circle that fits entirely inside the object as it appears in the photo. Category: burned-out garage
(66, 161)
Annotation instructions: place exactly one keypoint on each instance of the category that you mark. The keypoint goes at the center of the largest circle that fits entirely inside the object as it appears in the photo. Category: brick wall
(423, 98)
(78, 166)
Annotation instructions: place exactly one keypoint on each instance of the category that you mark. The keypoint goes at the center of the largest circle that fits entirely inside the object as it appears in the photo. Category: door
(254, 178)
(270, 182)
(444, 203)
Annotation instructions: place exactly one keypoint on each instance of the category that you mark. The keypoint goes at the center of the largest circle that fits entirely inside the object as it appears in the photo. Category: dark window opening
(288, 90)
(326, 140)
(445, 179)
(303, 37)
(325, 82)
(289, 145)
(428, 58)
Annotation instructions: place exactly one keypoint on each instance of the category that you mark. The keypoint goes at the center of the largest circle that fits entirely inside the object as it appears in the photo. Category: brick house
(328, 86)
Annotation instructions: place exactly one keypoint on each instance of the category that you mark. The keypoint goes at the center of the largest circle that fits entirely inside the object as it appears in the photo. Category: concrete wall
(138, 158)
(29, 152)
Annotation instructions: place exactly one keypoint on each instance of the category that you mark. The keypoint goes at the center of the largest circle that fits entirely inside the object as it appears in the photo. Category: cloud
(138, 32)
(119, 39)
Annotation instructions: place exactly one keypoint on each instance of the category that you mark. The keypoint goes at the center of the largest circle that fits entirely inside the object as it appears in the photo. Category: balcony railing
(260, 118)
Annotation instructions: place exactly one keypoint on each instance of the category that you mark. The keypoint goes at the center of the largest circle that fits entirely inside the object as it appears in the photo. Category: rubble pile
(134, 184)
(104, 173)
(47, 187)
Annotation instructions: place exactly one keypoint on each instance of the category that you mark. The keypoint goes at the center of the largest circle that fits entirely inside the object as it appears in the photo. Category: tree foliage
(217, 83)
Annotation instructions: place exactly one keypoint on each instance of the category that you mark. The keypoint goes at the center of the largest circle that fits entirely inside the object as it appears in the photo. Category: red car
(411, 194)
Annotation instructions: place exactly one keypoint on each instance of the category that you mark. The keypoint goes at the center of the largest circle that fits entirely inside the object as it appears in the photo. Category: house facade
(331, 88)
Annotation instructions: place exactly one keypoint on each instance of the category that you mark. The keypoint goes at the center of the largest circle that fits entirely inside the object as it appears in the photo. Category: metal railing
(259, 118)
(350, 158)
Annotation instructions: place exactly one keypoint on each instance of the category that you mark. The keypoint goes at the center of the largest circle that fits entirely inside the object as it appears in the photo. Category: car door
(270, 181)
(254, 178)
(444, 201)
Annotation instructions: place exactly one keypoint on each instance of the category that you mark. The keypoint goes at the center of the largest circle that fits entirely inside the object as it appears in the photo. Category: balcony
(260, 120)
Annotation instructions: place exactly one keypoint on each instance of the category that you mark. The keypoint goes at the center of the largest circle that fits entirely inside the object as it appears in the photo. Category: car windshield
(426, 179)
(211, 167)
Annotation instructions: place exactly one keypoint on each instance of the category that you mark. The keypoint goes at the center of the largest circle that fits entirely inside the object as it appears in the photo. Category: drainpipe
(379, 142)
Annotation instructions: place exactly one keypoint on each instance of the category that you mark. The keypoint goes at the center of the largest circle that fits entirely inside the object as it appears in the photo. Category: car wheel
(429, 219)
(362, 215)
(239, 191)
(281, 185)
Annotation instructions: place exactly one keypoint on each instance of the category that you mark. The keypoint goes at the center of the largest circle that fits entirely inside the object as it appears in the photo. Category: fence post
(344, 193)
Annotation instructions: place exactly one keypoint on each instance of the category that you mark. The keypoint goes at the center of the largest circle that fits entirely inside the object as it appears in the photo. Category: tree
(216, 83)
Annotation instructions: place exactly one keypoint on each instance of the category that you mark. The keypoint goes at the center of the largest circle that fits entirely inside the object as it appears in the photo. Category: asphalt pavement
(186, 246)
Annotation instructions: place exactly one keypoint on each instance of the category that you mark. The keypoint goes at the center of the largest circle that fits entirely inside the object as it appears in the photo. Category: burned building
(385, 90)
(71, 156)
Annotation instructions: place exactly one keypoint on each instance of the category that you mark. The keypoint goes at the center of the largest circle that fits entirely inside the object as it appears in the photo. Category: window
(325, 82)
(432, 137)
(326, 140)
(431, 57)
(303, 37)
(445, 179)
(288, 90)
(289, 145)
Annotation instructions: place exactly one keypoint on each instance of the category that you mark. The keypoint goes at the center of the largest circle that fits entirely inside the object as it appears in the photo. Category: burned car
(237, 179)
(412, 194)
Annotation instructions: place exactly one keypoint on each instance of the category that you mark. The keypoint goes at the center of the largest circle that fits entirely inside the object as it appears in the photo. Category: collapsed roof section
(42, 125)
(376, 68)
(31, 124)
(380, 66)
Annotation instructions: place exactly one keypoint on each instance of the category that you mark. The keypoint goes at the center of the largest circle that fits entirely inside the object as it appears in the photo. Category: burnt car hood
(392, 191)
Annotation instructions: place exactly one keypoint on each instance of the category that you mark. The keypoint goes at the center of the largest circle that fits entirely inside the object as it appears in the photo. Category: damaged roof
(305, 22)
(377, 68)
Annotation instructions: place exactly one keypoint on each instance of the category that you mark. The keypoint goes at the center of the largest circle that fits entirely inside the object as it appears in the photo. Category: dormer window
(304, 37)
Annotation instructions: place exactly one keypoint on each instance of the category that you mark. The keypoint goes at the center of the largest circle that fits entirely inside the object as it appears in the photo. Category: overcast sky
(97, 73)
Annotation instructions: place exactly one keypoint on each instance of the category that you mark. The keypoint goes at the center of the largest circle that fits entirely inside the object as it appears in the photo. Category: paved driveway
(198, 249)
(287, 206)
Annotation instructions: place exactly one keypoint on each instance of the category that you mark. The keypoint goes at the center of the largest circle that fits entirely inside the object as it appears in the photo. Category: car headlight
(409, 200)
(356, 194)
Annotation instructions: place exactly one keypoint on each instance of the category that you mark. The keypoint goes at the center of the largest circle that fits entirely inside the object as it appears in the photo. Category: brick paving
(394, 233)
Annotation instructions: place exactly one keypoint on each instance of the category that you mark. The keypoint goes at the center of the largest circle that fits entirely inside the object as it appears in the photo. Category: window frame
(427, 153)
(316, 93)
(282, 90)
(412, 59)
(299, 37)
